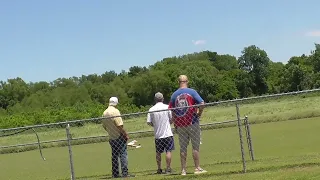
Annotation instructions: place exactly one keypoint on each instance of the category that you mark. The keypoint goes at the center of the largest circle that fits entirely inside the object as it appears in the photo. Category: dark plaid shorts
(164, 144)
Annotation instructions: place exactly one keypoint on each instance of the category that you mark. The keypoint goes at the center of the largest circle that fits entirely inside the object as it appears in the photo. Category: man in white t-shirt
(161, 121)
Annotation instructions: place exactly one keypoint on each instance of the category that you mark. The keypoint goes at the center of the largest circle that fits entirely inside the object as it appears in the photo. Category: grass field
(272, 110)
(283, 150)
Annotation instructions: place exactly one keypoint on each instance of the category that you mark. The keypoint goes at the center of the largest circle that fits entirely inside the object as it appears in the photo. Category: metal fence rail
(102, 136)
(146, 112)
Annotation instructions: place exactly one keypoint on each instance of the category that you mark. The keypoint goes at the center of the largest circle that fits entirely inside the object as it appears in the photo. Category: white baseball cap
(113, 101)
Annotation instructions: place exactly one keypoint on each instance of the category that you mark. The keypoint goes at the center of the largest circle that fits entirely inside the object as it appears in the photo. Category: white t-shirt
(160, 120)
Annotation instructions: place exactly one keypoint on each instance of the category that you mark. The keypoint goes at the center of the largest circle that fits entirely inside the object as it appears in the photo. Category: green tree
(225, 62)
(275, 71)
(215, 76)
(315, 58)
(255, 62)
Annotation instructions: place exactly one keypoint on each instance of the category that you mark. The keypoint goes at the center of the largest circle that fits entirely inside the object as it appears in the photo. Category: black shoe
(159, 171)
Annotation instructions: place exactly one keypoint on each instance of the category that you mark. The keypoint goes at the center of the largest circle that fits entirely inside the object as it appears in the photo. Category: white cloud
(315, 33)
(199, 42)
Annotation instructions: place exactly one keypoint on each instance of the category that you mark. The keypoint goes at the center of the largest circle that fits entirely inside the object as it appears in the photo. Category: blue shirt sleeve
(172, 102)
(197, 97)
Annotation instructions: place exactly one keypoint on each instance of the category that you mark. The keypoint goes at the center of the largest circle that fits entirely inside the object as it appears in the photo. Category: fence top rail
(105, 136)
(146, 112)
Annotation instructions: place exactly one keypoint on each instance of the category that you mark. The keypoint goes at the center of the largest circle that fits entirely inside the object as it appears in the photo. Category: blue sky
(44, 40)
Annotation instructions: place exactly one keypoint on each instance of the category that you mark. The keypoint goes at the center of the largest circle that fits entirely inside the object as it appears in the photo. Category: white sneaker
(183, 172)
(199, 171)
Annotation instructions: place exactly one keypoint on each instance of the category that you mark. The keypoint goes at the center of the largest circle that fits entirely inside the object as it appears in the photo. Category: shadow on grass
(254, 170)
(153, 172)
(176, 175)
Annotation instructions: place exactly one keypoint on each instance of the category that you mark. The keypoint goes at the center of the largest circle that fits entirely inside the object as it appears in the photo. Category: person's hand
(126, 137)
(198, 115)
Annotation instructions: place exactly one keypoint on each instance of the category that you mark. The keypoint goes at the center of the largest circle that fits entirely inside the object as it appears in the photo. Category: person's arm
(119, 123)
(200, 101)
(104, 125)
(123, 132)
(149, 119)
(103, 122)
(173, 115)
(170, 116)
(201, 108)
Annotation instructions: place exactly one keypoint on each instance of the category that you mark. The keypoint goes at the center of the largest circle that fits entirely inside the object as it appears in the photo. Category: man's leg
(114, 158)
(159, 150)
(196, 160)
(200, 136)
(183, 141)
(169, 148)
(194, 132)
(123, 156)
(158, 159)
(168, 160)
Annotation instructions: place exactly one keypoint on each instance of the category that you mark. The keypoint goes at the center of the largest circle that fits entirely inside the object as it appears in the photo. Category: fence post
(241, 141)
(245, 128)
(249, 138)
(70, 152)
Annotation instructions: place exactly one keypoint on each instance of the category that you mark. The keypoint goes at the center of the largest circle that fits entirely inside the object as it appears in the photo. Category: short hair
(158, 96)
(183, 78)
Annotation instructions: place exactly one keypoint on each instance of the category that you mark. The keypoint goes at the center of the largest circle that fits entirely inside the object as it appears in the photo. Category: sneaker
(199, 171)
(168, 171)
(159, 171)
(183, 173)
(128, 176)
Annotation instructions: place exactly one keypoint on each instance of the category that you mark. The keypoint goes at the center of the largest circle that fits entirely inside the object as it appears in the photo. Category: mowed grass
(270, 110)
(283, 150)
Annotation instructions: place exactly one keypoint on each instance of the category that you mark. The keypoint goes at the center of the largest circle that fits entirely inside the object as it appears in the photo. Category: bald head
(183, 81)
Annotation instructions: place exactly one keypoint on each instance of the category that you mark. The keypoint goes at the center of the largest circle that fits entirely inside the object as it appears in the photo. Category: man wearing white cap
(160, 121)
(118, 138)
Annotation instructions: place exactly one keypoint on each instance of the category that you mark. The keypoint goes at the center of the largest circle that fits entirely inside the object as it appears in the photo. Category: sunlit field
(272, 110)
(284, 132)
(283, 150)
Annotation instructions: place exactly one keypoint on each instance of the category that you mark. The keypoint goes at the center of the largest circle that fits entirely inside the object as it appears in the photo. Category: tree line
(215, 76)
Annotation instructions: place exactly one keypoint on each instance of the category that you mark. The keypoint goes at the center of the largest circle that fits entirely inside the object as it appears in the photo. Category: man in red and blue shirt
(186, 121)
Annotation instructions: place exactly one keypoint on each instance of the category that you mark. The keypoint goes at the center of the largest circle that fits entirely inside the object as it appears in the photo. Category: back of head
(183, 81)
(113, 101)
(158, 97)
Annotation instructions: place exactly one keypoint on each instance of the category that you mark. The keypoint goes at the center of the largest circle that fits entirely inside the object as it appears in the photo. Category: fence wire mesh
(215, 145)
(187, 126)
(169, 142)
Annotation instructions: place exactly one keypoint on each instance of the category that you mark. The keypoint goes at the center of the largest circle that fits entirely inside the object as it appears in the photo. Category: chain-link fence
(152, 144)
(165, 145)
(149, 139)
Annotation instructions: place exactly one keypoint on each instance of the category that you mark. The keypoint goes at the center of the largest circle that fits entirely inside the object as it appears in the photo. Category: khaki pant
(187, 133)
